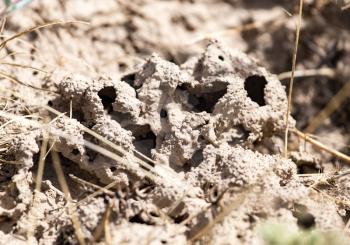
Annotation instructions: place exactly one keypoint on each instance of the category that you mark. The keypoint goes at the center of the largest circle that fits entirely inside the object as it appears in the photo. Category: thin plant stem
(292, 78)
(63, 183)
(332, 106)
(321, 146)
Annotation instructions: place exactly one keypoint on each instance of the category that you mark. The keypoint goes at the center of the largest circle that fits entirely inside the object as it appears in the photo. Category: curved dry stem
(24, 66)
(34, 28)
(15, 80)
(25, 42)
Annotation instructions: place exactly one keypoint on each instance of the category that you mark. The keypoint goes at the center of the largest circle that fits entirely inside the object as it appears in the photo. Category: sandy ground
(162, 122)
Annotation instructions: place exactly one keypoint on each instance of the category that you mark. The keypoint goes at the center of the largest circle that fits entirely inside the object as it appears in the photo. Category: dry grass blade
(13, 54)
(168, 174)
(23, 66)
(332, 106)
(295, 52)
(326, 72)
(25, 42)
(321, 146)
(70, 109)
(15, 119)
(50, 149)
(104, 226)
(90, 145)
(226, 210)
(41, 164)
(84, 182)
(65, 189)
(108, 237)
(345, 203)
(3, 25)
(117, 158)
(99, 192)
(15, 80)
(34, 28)
(38, 181)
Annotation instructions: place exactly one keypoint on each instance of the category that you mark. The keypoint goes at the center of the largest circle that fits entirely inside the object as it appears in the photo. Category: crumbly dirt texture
(167, 121)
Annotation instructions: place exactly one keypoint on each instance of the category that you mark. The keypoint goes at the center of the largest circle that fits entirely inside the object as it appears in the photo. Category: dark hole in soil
(214, 194)
(336, 57)
(139, 220)
(182, 87)
(207, 101)
(154, 214)
(145, 140)
(346, 217)
(251, 219)
(32, 36)
(122, 66)
(113, 169)
(91, 155)
(75, 151)
(32, 51)
(240, 137)
(66, 235)
(255, 85)
(172, 58)
(178, 219)
(197, 157)
(143, 188)
(35, 73)
(50, 103)
(6, 172)
(221, 57)
(195, 160)
(305, 220)
(130, 79)
(308, 169)
(107, 95)
(94, 38)
(136, 219)
(163, 113)
(105, 199)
